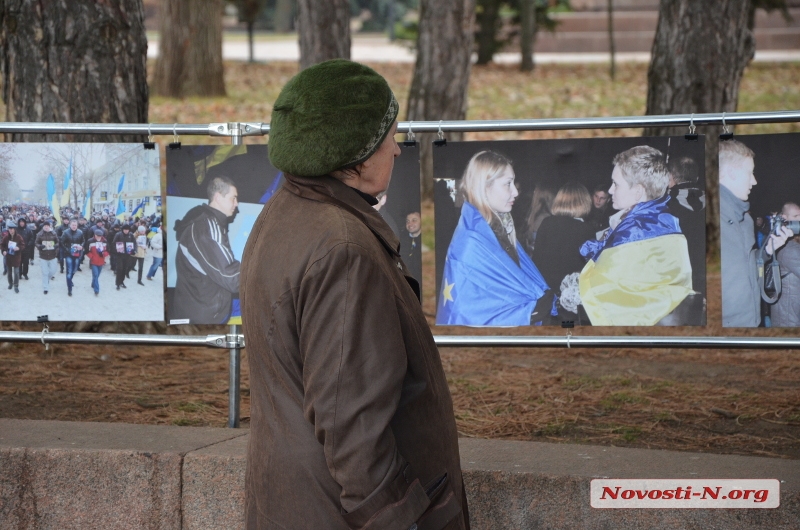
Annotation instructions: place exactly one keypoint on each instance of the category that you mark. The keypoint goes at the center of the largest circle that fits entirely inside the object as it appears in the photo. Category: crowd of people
(618, 255)
(65, 247)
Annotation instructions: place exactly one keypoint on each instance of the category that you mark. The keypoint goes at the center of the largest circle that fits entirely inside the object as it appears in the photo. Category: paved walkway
(377, 49)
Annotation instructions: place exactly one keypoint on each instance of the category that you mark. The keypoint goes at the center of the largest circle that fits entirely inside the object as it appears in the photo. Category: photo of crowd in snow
(81, 232)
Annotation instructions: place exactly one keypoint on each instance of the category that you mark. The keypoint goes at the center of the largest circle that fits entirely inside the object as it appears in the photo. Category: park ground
(721, 401)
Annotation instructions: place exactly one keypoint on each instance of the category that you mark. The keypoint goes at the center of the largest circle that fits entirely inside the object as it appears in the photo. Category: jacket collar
(333, 191)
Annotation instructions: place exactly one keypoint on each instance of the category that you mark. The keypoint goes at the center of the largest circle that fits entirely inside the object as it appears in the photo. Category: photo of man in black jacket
(207, 270)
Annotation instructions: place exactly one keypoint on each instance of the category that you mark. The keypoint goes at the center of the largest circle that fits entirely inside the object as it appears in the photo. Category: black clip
(726, 134)
(411, 139)
(692, 136)
(42, 318)
(176, 143)
(149, 144)
(567, 324)
(441, 142)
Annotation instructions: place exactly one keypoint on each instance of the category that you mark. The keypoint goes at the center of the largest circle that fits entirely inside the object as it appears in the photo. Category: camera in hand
(777, 221)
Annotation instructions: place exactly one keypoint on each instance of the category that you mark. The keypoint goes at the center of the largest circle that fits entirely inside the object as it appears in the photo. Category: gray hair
(644, 165)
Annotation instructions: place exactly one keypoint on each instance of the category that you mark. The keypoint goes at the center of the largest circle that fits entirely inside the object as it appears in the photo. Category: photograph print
(80, 222)
(760, 230)
(595, 231)
(400, 208)
(214, 195)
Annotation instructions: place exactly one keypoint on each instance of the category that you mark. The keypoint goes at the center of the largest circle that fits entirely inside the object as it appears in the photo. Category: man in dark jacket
(72, 241)
(208, 272)
(351, 418)
(688, 203)
(27, 255)
(12, 246)
(60, 232)
(124, 248)
(47, 243)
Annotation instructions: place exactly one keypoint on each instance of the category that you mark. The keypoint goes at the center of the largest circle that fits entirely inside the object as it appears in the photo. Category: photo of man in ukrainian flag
(523, 251)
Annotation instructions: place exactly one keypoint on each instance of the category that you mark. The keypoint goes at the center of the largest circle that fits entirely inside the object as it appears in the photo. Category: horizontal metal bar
(616, 342)
(211, 341)
(618, 122)
(549, 124)
(462, 341)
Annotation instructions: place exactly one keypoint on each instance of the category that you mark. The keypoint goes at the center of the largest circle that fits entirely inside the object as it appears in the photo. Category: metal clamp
(692, 128)
(569, 335)
(45, 331)
(234, 340)
(235, 129)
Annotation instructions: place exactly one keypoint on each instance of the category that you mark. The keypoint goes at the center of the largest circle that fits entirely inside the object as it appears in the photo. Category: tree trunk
(324, 31)
(441, 73)
(284, 16)
(250, 55)
(80, 61)
(190, 49)
(527, 34)
(699, 55)
(487, 35)
(612, 48)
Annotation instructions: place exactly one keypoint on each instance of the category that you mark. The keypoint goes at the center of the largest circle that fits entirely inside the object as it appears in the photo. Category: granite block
(213, 486)
(521, 485)
(64, 475)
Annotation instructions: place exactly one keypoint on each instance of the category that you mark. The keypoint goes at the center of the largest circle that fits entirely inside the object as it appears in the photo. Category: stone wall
(64, 475)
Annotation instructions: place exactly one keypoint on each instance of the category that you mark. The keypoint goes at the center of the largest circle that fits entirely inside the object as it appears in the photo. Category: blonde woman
(488, 279)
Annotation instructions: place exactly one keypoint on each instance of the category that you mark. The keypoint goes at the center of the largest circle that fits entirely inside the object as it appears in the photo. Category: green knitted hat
(333, 115)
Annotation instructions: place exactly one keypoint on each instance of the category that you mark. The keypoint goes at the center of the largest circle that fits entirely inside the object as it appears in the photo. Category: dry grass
(743, 402)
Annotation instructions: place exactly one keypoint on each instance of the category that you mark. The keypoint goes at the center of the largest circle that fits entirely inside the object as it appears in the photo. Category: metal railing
(234, 340)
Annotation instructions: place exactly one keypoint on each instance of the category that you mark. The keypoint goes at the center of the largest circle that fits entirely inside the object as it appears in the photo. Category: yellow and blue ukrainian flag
(639, 272)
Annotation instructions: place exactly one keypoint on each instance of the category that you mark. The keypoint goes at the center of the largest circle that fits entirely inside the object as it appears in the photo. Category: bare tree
(527, 34)
(248, 13)
(190, 49)
(716, 43)
(441, 73)
(323, 30)
(612, 48)
(76, 61)
(284, 16)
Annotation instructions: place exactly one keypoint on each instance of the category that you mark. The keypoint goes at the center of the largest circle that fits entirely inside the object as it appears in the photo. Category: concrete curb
(99, 475)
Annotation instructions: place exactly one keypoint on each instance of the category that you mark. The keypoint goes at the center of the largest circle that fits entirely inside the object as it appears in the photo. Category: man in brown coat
(351, 418)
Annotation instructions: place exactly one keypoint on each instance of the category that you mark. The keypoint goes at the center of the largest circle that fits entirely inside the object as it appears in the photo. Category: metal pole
(46, 337)
(234, 368)
(570, 341)
(553, 124)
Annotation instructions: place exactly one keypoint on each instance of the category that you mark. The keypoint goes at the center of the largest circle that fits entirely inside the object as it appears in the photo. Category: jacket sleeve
(354, 363)
(216, 259)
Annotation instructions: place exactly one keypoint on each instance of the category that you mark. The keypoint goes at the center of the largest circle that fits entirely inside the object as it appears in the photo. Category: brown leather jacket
(351, 418)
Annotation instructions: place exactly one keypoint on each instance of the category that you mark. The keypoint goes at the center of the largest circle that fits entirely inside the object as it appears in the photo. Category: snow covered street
(137, 302)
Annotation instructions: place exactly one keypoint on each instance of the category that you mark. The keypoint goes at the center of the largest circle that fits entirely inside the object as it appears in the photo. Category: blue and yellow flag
(139, 210)
(52, 199)
(481, 284)
(87, 204)
(120, 213)
(639, 272)
(67, 182)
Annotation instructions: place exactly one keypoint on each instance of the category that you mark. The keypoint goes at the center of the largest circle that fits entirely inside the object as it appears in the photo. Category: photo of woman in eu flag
(488, 278)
